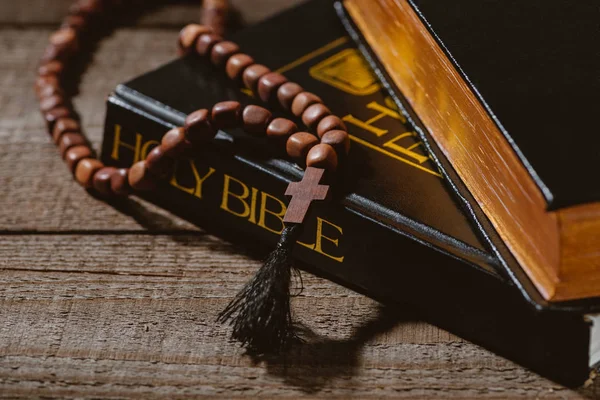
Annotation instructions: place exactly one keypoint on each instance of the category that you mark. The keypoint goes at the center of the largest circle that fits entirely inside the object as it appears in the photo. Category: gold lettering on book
(195, 190)
(139, 151)
(237, 198)
(407, 151)
(227, 194)
(368, 125)
(264, 211)
(246, 199)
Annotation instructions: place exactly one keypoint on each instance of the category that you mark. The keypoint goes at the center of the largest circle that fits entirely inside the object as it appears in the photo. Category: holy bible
(508, 92)
(395, 232)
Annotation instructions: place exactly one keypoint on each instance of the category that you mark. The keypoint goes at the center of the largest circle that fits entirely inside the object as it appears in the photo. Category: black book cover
(395, 233)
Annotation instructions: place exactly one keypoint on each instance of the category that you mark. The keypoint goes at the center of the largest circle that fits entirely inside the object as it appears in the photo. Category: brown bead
(158, 163)
(55, 114)
(226, 114)
(252, 74)
(188, 37)
(236, 65)
(46, 81)
(214, 14)
(75, 154)
(281, 128)
(76, 22)
(48, 103)
(205, 43)
(102, 179)
(64, 125)
(85, 171)
(330, 123)
(140, 178)
(314, 114)
(51, 68)
(221, 52)
(299, 144)
(119, 182)
(322, 156)
(268, 85)
(287, 93)
(302, 101)
(198, 127)
(339, 140)
(174, 142)
(69, 140)
(87, 7)
(256, 119)
(64, 40)
(48, 91)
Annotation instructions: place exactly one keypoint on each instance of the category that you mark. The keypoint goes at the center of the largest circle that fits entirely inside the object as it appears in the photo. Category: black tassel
(260, 314)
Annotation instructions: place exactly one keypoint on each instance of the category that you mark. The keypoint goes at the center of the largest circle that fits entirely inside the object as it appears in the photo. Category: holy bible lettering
(233, 196)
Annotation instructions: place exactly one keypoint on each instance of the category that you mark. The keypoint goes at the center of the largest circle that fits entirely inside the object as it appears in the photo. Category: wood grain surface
(99, 301)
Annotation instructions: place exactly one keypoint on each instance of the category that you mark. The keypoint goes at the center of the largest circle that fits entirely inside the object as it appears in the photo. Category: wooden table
(98, 302)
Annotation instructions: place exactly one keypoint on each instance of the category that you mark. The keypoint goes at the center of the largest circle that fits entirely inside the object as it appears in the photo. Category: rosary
(260, 314)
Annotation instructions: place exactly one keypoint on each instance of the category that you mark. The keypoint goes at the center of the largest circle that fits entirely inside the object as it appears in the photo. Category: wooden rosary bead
(75, 154)
(214, 14)
(48, 91)
(299, 144)
(140, 178)
(76, 22)
(314, 114)
(64, 125)
(64, 37)
(48, 103)
(158, 163)
(322, 156)
(55, 68)
(63, 43)
(302, 101)
(330, 123)
(188, 37)
(174, 142)
(119, 182)
(281, 128)
(102, 179)
(55, 114)
(205, 43)
(268, 84)
(339, 140)
(287, 93)
(226, 114)
(198, 127)
(221, 52)
(46, 81)
(87, 7)
(236, 65)
(256, 119)
(69, 140)
(252, 74)
(85, 171)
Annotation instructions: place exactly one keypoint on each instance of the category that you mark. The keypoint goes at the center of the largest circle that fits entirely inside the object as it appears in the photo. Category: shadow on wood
(334, 358)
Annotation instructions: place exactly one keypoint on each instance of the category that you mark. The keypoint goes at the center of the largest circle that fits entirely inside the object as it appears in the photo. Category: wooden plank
(133, 315)
(172, 14)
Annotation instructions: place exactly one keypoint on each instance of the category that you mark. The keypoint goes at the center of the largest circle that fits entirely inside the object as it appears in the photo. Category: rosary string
(260, 314)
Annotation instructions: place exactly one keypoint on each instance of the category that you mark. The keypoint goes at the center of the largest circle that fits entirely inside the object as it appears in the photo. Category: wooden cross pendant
(304, 193)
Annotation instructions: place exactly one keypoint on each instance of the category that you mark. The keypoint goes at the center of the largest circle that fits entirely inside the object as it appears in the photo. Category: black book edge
(485, 310)
(476, 215)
